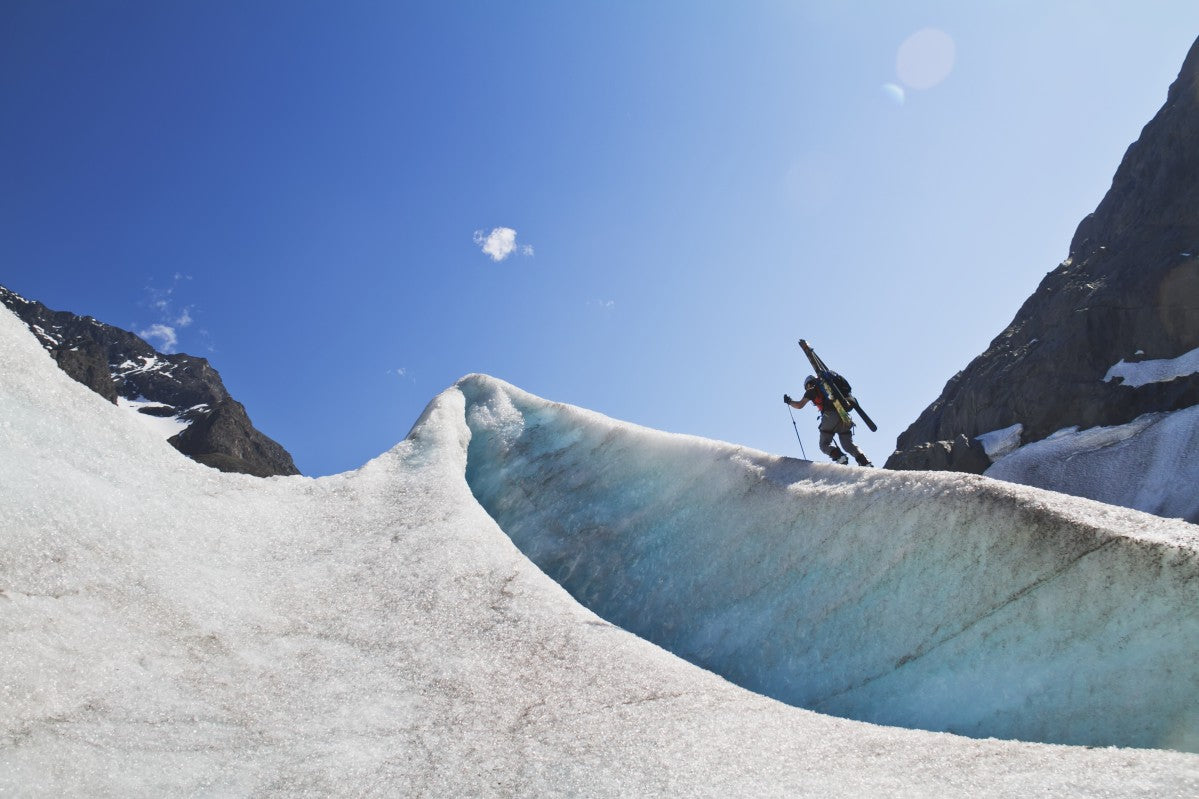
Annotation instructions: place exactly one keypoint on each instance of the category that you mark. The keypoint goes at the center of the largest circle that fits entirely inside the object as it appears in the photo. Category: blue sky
(302, 192)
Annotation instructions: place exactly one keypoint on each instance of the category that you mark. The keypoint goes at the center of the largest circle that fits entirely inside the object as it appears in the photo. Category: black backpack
(839, 383)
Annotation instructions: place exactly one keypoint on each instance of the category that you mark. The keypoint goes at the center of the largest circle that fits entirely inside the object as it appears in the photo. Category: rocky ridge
(116, 364)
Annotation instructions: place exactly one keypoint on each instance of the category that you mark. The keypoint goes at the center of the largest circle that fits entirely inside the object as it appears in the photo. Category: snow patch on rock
(1142, 373)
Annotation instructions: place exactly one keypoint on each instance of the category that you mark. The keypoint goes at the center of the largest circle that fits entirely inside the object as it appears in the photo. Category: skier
(831, 424)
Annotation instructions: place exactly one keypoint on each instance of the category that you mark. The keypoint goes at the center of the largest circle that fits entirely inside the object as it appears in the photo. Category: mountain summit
(182, 394)
(1110, 335)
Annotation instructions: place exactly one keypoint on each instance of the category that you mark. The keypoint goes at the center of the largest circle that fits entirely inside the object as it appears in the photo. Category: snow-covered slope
(169, 630)
(1151, 464)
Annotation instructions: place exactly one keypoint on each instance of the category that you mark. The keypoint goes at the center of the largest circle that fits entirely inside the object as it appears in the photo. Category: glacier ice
(170, 630)
(946, 602)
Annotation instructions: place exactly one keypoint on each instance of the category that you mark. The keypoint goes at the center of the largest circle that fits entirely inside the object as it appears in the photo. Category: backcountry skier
(831, 423)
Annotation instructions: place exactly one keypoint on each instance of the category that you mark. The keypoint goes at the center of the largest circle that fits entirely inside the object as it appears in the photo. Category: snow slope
(170, 630)
(1150, 464)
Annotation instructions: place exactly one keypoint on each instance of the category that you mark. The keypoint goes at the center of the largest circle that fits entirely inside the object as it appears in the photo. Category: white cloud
(165, 334)
(500, 243)
(163, 303)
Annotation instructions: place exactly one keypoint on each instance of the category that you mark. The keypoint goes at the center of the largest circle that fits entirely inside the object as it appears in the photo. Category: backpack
(839, 383)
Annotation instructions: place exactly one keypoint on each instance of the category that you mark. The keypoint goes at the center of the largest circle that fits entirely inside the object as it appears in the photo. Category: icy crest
(933, 600)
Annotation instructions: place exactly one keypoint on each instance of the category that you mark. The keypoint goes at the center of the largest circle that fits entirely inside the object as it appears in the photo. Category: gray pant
(832, 424)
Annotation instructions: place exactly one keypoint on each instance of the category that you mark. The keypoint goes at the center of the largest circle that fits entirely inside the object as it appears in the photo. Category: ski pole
(797, 438)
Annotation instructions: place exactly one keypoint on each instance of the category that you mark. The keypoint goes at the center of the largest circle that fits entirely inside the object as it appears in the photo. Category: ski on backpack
(837, 388)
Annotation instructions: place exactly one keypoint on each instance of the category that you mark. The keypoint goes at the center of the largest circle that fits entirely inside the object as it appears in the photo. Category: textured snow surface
(1151, 464)
(170, 630)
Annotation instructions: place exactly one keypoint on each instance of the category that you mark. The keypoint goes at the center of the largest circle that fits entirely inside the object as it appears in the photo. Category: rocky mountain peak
(1153, 188)
(210, 426)
(1127, 293)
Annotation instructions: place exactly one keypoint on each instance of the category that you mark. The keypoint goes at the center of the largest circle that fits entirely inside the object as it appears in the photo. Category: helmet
(809, 381)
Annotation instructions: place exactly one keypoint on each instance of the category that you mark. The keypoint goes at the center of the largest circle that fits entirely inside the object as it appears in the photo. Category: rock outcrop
(118, 364)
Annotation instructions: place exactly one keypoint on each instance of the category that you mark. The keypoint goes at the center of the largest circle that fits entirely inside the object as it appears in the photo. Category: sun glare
(925, 58)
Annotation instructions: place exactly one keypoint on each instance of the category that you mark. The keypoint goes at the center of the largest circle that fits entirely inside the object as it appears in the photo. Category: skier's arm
(794, 403)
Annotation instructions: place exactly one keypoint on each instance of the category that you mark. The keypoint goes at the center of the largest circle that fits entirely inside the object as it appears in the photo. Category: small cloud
(500, 243)
(163, 304)
(603, 305)
(164, 334)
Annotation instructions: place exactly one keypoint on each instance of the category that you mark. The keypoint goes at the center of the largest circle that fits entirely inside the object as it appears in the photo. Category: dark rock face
(116, 363)
(1129, 290)
(959, 455)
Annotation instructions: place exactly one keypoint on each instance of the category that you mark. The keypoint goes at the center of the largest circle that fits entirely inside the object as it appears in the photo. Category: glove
(787, 398)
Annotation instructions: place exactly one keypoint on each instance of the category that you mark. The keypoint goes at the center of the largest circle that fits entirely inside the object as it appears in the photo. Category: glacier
(526, 598)
(963, 605)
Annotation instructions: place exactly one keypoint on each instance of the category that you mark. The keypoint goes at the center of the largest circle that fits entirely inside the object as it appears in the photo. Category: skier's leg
(829, 448)
(847, 444)
(829, 424)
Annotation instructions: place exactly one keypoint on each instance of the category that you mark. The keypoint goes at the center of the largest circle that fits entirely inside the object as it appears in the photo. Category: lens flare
(894, 93)
(925, 58)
